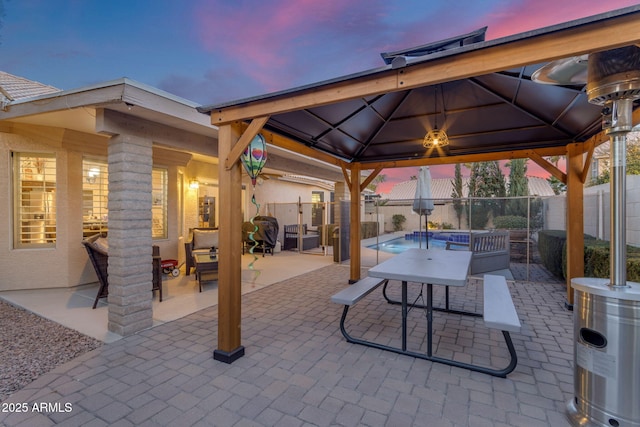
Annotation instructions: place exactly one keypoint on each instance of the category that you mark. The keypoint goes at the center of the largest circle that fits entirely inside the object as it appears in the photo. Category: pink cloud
(517, 17)
(261, 38)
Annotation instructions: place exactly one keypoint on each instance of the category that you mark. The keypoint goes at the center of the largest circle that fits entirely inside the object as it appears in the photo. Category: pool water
(437, 240)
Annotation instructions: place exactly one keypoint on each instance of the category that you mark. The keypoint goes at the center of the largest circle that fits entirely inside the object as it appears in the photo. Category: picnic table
(442, 268)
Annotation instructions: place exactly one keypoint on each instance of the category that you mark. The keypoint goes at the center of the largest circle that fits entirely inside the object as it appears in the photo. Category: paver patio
(299, 370)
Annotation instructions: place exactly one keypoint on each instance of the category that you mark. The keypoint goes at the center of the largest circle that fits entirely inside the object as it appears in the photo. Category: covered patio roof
(480, 92)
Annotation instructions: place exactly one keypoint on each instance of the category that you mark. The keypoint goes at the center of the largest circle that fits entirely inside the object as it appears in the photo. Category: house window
(34, 200)
(595, 169)
(95, 197)
(159, 207)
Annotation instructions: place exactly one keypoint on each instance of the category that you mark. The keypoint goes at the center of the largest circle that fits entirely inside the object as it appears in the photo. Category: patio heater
(607, 311)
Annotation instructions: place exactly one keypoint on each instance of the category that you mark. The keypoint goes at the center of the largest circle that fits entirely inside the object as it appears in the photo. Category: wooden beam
(254, 128)
(466, 158)
(558, 42)
(587, 161)
(296, 147)
(346, 176)
(549, 167)
(575, 217)
(354, 230)
(229, 262)
(370, 178)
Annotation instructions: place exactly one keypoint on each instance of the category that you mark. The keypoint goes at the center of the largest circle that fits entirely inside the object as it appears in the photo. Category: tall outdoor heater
(607, 311)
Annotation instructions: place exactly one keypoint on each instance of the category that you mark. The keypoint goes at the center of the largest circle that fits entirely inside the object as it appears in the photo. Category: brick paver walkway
(299, 371)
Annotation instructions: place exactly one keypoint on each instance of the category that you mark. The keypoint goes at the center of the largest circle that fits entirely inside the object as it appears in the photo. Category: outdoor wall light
(194, 184)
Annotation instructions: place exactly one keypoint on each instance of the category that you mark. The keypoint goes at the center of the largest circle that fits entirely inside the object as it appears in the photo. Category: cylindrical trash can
(606, 354)
(335, 240)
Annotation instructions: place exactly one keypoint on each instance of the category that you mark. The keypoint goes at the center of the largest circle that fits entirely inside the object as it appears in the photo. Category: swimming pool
(417, 239)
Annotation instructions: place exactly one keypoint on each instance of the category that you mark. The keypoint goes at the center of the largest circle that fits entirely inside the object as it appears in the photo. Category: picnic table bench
(498, 313)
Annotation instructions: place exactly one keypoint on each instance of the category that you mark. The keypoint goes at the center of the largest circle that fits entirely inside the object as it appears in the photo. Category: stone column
(130, 244)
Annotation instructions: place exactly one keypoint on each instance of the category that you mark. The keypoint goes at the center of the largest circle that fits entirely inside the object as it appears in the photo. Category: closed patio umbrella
(423, 201)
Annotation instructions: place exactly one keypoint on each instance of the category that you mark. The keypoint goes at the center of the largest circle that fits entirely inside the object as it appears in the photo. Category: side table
(205, 263)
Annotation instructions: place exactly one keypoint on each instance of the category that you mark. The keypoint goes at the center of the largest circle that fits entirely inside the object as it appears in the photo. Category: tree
(458, 206)
(632, 164)
(518, 187)
(487, 182)
(557, 186)
(373, 185)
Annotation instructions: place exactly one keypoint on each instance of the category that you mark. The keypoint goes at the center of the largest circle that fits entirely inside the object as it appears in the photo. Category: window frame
(40, 167)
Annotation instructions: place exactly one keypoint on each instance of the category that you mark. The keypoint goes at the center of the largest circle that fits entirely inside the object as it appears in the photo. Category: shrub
(553, 254)
(398, 220)
(550, 245)
(510, 222)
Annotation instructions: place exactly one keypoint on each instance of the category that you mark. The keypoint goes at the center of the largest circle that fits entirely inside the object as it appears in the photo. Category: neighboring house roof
(14, 87)
(442, 188)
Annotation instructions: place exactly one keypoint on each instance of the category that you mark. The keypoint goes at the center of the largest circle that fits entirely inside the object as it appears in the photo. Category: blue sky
(212, 51)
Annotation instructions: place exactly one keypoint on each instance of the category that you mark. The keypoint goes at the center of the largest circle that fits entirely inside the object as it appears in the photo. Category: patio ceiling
(481, 93)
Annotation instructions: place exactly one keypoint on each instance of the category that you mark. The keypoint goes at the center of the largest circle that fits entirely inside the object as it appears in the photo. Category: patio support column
(354, 237)
(230, 267)
(130, 245)
(575, 217)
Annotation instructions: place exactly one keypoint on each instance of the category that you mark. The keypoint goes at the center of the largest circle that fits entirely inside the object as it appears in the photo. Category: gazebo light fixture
(434, 137)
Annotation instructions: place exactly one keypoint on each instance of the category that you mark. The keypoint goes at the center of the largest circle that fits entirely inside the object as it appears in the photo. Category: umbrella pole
(420, 231)
(426, 228)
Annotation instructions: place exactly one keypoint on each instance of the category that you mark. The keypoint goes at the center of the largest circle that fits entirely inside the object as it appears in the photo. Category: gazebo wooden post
(354, 219)
(575, 217)
(230, 267)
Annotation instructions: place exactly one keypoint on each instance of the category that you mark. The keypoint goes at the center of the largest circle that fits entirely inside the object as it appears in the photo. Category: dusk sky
(211, 51)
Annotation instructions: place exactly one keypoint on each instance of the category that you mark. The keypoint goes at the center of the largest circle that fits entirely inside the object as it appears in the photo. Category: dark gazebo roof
(488, 113)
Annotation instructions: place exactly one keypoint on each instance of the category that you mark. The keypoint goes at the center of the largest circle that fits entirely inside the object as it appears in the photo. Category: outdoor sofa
(201, 239)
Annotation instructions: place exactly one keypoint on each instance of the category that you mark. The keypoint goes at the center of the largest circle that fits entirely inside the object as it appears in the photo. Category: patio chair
(98, 250)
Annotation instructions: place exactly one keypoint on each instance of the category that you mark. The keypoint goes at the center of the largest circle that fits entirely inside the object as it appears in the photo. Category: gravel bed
(31, 345)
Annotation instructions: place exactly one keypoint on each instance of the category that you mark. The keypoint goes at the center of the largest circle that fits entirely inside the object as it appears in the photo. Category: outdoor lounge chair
(97, 247)
(201, 239)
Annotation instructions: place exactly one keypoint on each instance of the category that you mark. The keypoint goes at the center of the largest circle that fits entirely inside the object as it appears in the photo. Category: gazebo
(479, 92)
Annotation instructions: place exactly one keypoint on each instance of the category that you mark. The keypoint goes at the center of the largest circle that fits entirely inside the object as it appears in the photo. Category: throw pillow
(205, 239)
